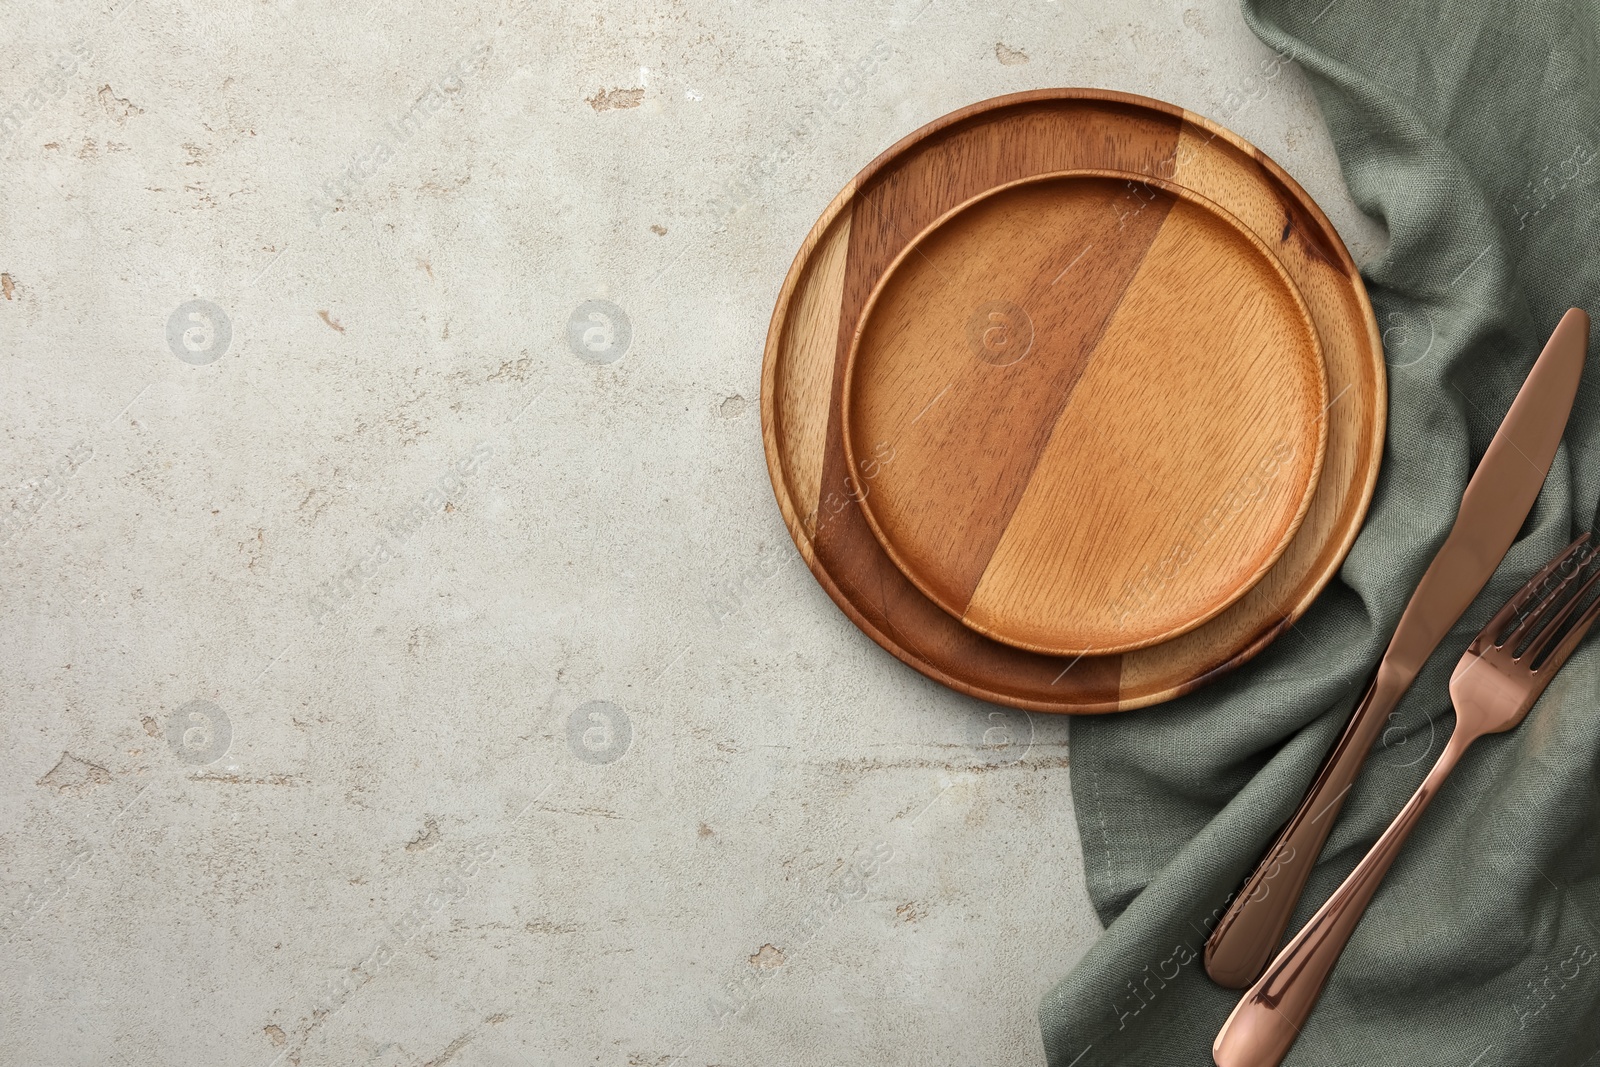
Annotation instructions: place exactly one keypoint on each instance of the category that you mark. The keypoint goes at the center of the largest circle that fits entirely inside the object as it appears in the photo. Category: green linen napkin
(1471, 128)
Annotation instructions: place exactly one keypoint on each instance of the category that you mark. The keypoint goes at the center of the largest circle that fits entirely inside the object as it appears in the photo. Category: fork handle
(1251, 930)
(1270, 1016)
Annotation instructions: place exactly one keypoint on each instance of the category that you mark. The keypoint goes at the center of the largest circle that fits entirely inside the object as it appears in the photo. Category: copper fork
(1502, 674)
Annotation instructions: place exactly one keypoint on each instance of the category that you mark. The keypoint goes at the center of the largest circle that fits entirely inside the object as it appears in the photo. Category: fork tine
(1552, 596)
(1553, 631)
(1529, 604)
(1568, 643)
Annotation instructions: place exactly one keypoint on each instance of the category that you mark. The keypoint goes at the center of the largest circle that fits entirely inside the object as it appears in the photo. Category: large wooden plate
(1100, 440)
(908, 188)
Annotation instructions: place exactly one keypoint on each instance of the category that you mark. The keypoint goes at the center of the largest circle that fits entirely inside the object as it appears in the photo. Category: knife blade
(1497, 499)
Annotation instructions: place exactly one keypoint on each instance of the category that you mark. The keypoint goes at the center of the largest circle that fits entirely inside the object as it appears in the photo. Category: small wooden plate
(935, 170)
(1098, 443)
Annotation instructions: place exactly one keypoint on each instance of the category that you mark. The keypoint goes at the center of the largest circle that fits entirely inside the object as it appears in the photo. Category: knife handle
(1252, 928)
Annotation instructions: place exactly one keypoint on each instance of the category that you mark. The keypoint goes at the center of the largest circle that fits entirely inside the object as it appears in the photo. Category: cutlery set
(1504, 670)
(1073, 400)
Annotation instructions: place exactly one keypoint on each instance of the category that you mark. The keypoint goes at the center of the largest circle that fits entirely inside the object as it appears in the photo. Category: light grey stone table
(403, 662)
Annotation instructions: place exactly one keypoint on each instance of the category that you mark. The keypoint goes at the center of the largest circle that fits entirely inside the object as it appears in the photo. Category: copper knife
(1497, 500)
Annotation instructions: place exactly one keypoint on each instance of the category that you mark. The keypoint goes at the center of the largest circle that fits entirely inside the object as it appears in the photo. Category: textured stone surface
(399, 670)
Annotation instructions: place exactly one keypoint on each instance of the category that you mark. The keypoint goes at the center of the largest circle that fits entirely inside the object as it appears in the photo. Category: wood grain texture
(1086, 433)
(923, 391)
(812, 327)
(925, 176)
